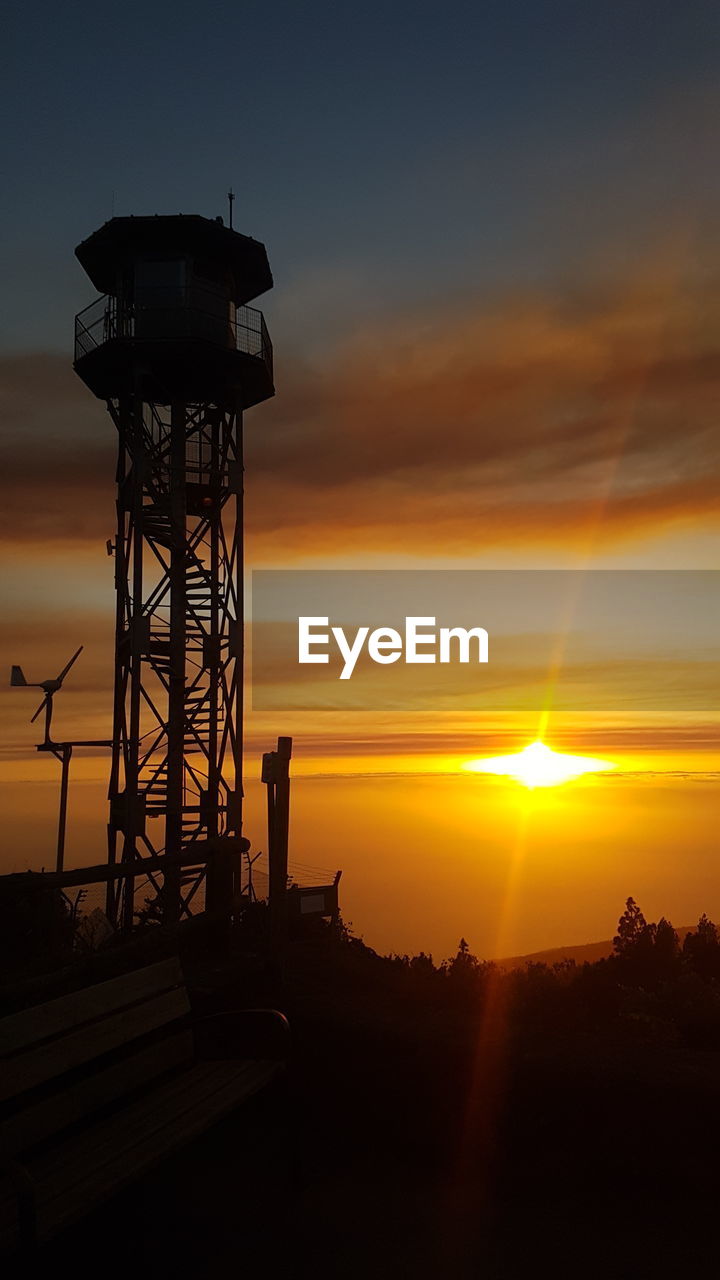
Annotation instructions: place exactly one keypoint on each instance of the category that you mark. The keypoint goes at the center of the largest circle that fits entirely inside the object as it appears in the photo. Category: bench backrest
(64, 1060)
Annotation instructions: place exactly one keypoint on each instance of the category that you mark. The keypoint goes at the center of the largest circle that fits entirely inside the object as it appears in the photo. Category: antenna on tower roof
(231, 197)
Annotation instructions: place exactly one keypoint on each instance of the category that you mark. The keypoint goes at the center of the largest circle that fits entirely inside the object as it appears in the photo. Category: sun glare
(539, 766)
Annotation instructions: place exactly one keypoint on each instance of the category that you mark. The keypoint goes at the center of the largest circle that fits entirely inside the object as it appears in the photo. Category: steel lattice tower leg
(177, 755)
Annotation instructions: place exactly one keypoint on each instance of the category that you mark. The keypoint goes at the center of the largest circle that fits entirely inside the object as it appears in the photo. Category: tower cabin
(174, 323)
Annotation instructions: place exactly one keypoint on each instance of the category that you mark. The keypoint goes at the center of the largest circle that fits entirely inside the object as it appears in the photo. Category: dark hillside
(460, 1121)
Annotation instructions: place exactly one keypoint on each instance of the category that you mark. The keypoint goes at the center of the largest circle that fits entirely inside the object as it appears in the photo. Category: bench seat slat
(90, 1168)
(57, 1017)
(45, 1062)
(75, 1102)
(189, 1089)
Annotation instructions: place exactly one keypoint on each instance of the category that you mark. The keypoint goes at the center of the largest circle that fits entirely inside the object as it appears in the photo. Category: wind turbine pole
(48, 719)
(65, 755)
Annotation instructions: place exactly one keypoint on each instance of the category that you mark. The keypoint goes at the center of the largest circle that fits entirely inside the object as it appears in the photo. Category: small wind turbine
(49, 687)
(61, 750)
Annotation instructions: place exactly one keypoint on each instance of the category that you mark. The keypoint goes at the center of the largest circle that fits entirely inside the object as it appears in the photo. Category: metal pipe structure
(177, 355)
(276, 776)
(63, 752)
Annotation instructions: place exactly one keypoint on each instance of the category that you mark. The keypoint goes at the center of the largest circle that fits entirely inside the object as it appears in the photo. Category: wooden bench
(98, 1086)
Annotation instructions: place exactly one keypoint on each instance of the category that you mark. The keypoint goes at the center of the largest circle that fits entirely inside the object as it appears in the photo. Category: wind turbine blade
(40, 708)
(65, 670)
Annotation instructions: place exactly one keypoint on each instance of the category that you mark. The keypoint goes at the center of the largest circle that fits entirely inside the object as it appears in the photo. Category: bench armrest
(243, 1033)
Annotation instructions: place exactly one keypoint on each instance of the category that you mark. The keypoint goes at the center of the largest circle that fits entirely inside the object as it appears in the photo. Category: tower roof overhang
(122, 241)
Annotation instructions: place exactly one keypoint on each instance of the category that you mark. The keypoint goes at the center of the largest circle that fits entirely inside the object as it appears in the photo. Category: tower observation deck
(177, 353)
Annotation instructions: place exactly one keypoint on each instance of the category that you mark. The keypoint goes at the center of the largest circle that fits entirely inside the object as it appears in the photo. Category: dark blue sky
(390, 155)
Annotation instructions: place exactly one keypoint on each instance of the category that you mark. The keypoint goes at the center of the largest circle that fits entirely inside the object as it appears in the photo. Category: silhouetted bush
(36, 927)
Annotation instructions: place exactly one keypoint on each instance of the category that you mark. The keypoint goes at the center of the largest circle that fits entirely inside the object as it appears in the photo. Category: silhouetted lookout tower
(177, 353)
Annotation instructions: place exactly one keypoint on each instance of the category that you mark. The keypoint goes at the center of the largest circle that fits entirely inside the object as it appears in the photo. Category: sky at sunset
(496, 321)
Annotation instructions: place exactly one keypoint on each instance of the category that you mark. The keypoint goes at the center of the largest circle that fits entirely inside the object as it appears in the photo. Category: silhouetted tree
(648, 953)
(464, 962)
(633, 930)
(701, 949)
(464, 968)
(666, 949)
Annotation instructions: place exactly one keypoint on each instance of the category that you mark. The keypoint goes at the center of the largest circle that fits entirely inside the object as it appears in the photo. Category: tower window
(160, 283)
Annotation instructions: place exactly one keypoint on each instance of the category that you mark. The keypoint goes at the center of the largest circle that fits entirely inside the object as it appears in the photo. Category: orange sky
(520, 431)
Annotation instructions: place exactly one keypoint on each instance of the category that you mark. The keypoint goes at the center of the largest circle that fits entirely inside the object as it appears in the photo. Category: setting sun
(539, 766)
